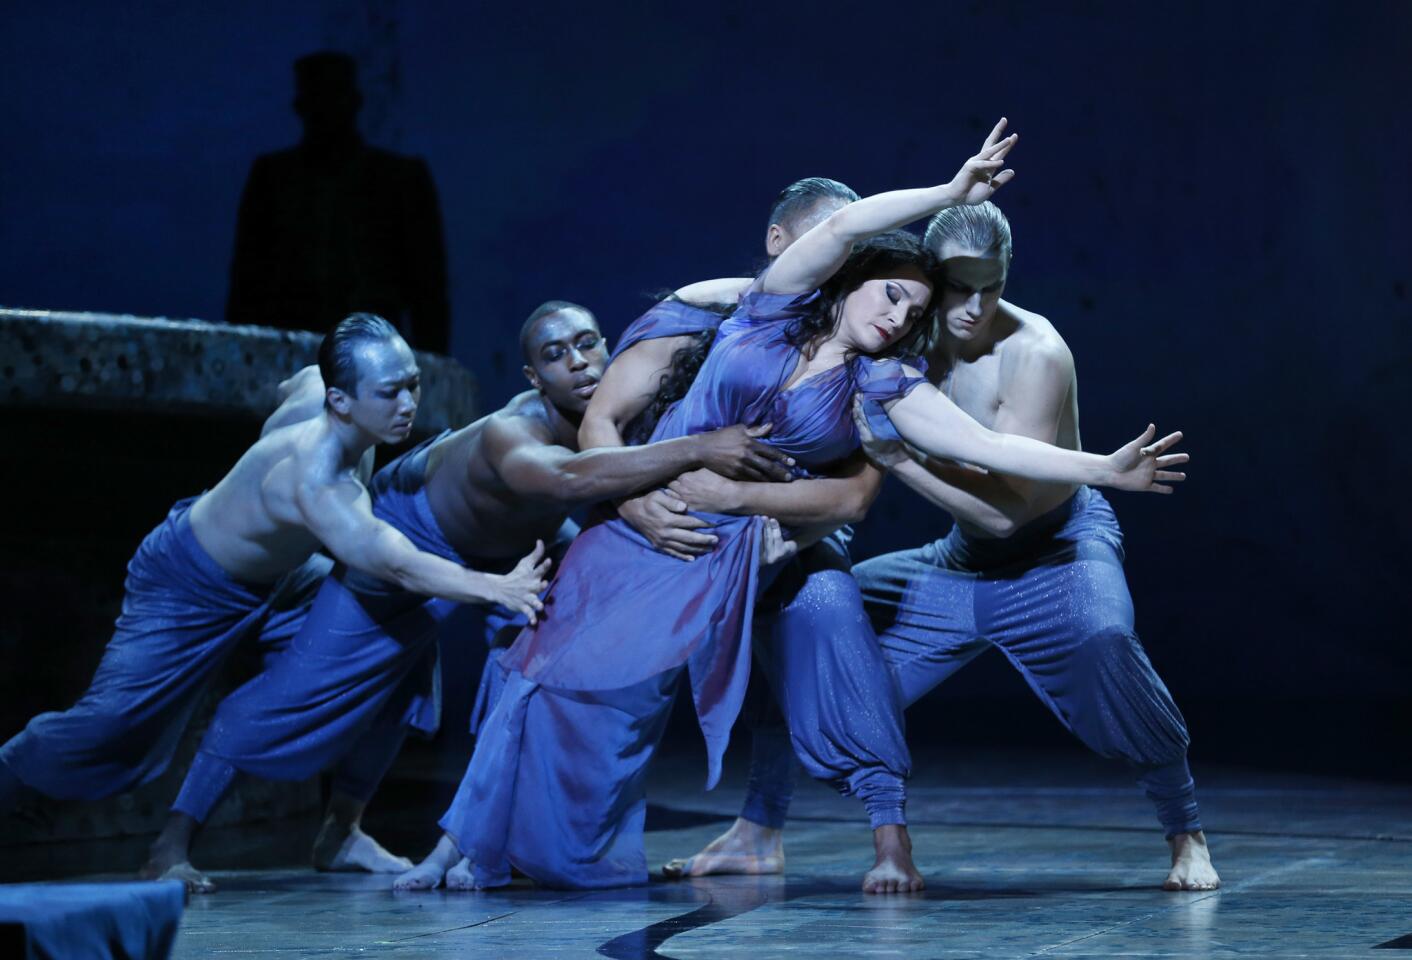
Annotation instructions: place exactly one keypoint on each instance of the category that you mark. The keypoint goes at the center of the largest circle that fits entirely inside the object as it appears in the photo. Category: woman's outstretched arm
(927, 420)
(817, 255)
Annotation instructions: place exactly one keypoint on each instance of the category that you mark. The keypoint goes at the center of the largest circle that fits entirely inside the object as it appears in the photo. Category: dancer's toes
(1191, 864)
(893, 871)
(428, 874)
(360, 852)
(888, 877)
(194, 880)
(1181, 880)
(424, 876)
(746, 848)
(678, 868)
(461, 877)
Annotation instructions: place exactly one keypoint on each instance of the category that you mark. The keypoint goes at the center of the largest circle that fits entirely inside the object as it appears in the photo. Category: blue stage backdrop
(1212, 204)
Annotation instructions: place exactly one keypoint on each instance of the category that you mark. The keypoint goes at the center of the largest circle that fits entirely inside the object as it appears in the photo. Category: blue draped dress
(556, 784)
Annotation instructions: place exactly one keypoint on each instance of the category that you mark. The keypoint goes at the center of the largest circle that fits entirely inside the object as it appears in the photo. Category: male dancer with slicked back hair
(357, 675)
(1033, 569)
(203, 580)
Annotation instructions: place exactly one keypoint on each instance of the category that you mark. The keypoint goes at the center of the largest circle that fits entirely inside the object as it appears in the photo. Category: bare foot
(428, 874)
(348, 849)
(461, 877)
(747, 847)
(170, 856)
(893, 871)
(194, 880)
(1191, 864)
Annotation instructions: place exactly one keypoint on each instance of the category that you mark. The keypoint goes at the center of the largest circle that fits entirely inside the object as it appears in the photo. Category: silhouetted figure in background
(333, 226)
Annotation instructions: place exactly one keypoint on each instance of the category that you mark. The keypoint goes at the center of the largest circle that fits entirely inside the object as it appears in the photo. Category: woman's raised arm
(817, 255)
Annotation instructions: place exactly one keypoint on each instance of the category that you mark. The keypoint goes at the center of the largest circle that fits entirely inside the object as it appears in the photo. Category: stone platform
(116, 361)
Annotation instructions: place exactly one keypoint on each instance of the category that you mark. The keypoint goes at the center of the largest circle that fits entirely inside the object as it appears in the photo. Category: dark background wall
(1211, 205)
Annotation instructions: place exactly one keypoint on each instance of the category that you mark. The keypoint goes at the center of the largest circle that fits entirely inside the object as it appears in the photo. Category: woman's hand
(985, 173)
(1139, 465)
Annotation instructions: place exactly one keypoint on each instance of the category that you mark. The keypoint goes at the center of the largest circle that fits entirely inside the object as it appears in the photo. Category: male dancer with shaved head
(359, 670)
(203, 580)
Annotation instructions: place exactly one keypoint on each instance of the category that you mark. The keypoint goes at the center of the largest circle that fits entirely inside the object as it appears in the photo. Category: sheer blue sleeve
(759, 309)
(670, 318)
(882, 381)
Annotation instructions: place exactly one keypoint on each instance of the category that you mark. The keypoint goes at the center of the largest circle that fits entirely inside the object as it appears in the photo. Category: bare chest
(975, 387)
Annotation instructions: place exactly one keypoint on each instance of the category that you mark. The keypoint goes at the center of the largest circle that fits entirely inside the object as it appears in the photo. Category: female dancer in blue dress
(556, 784)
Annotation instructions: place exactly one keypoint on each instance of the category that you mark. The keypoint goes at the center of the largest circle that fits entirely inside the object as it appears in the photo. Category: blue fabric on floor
(94, 921)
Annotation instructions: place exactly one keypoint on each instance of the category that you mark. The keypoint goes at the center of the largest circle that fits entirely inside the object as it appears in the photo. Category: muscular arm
(927, 420)
(634, 375)
(964, 492)
(817, 255)
(625, 390)
(999, 504)
(825, 502)
(532, 466)
(340, 515)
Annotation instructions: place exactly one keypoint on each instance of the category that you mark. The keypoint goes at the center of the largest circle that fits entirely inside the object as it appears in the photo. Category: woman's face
(882, 310)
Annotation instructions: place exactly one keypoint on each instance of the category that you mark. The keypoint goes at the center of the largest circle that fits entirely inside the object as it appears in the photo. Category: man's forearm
(391, 556)
(826, 503)
(970, 495)
(605, 473)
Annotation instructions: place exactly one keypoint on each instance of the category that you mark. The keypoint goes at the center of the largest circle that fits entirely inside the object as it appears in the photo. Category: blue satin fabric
(93, 921)
(698, 614)
(181, 616)
(668, 318)
(830, 681)
(589, 686)
(849, 735)
(360, 672)
(1053, 599)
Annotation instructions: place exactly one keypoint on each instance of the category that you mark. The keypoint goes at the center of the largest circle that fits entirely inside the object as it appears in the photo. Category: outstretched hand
(985, 173)
(736, 452)
(520, 588)
(1142, 465)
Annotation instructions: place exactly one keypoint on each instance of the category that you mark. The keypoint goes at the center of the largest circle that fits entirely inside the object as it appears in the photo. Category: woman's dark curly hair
(875, 257)
(871, 258)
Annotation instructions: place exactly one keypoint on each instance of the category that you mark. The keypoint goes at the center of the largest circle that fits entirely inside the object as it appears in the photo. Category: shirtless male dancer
(1017, 547)
(203, 580)
(356, 675)
(858, 747)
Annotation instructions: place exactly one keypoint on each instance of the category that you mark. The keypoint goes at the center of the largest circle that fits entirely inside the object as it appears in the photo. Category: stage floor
(1021, 858)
